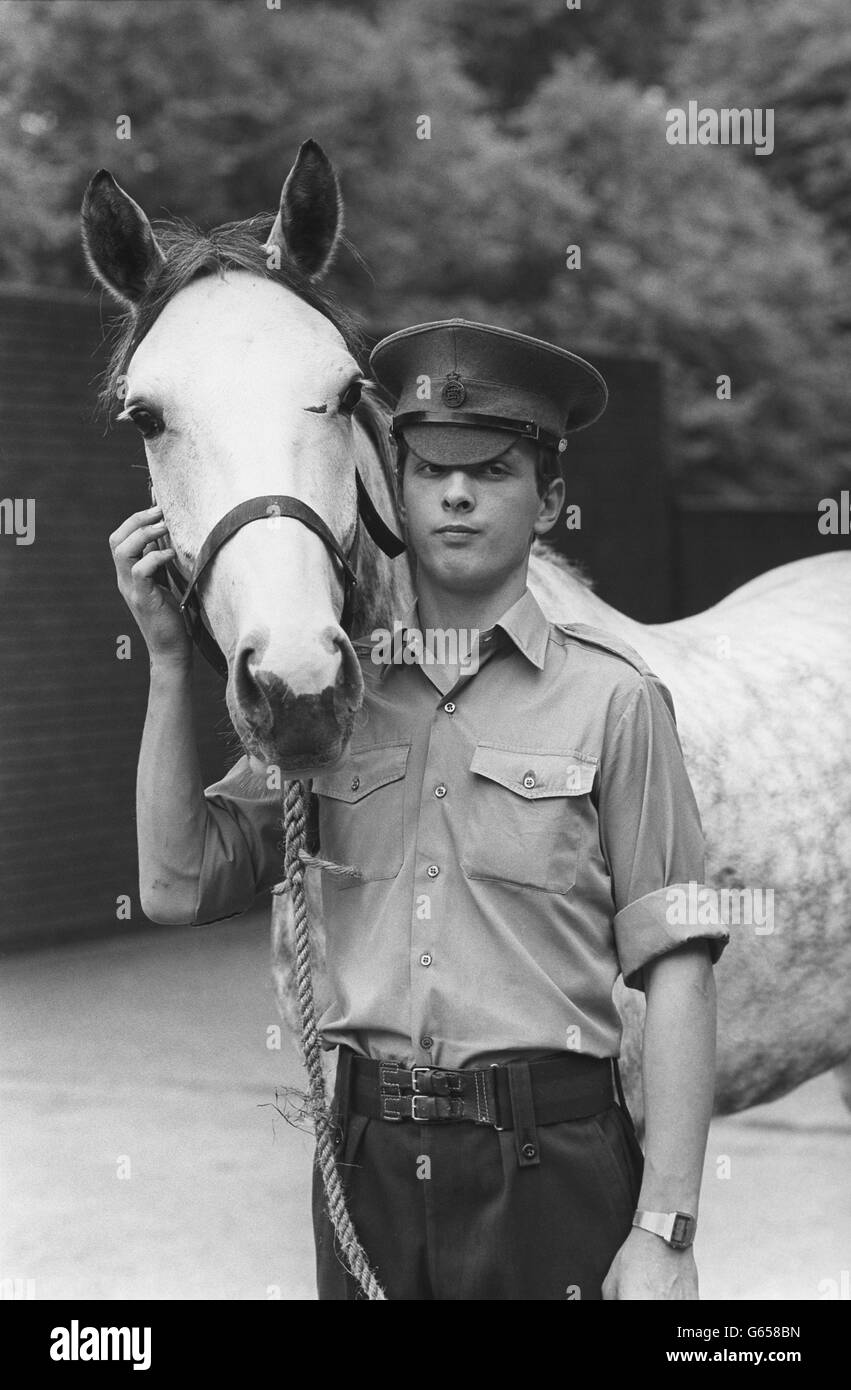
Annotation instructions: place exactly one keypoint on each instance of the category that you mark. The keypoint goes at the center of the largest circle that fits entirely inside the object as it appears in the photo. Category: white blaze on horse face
(236, 366)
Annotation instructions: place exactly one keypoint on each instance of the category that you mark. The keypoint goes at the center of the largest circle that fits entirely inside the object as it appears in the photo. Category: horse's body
(761, 688)
(251, 381)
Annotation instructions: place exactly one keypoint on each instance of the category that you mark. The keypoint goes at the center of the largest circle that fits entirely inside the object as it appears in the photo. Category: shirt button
(449, 707)
(432, 871)
(425, 958)
(529, 779)
(426, 1043)
(529, 1150)
(440, 790)
(355, 783)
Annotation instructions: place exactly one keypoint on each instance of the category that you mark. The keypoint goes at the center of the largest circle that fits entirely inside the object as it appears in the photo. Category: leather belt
(565, 1087)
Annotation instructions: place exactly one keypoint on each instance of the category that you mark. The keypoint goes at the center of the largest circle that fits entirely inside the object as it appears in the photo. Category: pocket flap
(534, 774)
(363, 772)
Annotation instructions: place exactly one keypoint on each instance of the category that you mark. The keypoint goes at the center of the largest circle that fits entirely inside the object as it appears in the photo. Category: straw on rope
(294, 819)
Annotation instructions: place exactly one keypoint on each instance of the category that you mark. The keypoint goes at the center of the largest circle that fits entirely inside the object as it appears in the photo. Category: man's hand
(645, 1267)
(138, 563)
(678, 1068)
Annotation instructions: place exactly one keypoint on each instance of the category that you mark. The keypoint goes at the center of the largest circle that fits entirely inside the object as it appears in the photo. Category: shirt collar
(529, 630)
(524, 623)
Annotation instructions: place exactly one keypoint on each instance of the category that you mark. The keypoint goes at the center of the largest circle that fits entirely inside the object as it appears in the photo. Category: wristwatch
(677, 1228)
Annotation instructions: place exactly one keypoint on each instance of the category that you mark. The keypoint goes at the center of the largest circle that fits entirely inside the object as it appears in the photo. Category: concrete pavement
(142, 1156)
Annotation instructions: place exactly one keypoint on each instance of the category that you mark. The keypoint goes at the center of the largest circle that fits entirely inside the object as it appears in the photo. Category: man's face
(472, 526)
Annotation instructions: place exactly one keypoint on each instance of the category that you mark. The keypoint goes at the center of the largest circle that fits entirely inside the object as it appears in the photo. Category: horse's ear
(119, 245)
(310, 219)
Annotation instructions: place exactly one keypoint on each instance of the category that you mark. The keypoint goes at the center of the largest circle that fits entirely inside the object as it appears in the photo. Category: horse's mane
(190, 253)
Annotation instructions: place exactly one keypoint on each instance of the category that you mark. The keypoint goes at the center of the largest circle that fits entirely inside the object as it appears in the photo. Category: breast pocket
(361, 812)
(529, 810)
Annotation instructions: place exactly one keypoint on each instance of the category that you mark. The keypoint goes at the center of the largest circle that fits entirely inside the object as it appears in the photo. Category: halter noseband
(266, 508)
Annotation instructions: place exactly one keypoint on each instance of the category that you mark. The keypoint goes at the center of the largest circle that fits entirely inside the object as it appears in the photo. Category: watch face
(682, 1234)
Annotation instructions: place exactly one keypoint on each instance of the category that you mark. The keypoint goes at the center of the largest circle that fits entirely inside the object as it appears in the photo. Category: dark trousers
(443, 1211)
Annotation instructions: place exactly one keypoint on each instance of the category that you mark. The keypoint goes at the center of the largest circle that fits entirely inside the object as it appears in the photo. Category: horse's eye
(350, 398)
(146, 422)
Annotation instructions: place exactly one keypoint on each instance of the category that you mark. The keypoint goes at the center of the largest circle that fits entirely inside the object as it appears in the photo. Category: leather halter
(263, 508)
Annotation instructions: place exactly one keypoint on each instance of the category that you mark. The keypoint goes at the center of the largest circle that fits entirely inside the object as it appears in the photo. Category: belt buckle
(421, 1119)
(414, 1086)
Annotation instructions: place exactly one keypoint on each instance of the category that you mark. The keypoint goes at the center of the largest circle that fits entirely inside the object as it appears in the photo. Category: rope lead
(294, 817)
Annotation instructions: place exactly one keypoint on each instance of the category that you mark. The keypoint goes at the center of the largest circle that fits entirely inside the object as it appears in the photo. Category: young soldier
(516, 821)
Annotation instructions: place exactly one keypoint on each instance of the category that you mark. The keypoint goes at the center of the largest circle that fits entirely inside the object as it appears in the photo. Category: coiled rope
(294, 824)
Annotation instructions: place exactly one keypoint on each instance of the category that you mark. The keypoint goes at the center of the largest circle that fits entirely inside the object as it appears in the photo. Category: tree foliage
(688, 253)
(547, 127)
(795, 59)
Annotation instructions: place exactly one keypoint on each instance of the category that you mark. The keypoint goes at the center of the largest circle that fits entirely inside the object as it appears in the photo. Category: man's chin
(465, 574)
(459, 568)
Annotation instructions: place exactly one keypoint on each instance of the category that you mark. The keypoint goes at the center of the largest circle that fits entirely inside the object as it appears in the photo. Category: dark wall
(718, 549)
(616, 471)
(71, 714)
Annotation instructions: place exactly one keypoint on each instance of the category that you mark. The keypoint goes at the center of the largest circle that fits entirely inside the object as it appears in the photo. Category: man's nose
(457, 491)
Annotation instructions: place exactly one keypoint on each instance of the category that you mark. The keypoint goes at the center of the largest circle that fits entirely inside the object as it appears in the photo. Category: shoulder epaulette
(606, 642)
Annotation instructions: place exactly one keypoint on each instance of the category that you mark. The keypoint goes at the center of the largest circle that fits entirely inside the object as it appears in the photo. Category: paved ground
(149, 1054)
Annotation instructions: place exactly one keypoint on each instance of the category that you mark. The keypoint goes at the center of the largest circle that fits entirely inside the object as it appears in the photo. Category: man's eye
(350, 398)
(146, 422)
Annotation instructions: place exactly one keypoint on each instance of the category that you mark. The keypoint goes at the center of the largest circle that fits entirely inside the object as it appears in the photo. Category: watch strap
(676, 1228)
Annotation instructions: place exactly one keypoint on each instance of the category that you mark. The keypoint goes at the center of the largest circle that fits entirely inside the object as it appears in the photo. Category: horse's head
(242, 378)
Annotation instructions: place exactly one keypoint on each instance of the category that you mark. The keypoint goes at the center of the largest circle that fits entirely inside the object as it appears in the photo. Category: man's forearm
(679, 1078)
(171, 811)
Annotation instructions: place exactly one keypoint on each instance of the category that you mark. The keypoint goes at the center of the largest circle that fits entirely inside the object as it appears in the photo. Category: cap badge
(454, 392)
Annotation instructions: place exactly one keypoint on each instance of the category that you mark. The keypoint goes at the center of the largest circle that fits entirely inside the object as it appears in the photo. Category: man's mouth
(456, 529)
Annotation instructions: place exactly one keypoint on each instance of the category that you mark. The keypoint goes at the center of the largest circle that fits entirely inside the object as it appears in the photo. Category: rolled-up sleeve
(243, 852)
(651, 835)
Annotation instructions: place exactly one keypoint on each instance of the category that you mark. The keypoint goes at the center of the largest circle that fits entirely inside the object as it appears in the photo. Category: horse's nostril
(333, 637)
(247, 662)
(248, 692)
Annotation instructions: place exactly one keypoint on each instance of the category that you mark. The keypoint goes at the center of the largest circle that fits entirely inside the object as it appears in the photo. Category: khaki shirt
(515, 831)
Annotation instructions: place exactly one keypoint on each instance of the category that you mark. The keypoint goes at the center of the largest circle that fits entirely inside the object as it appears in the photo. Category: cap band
(528, 428)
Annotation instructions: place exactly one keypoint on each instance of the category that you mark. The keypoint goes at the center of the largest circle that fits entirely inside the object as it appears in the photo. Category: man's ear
(550, 505)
